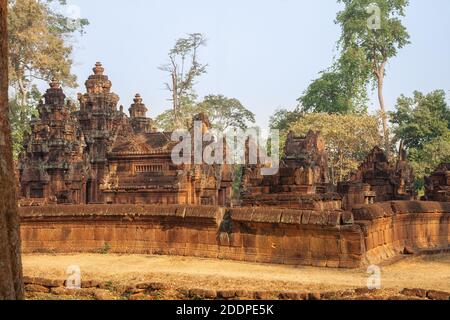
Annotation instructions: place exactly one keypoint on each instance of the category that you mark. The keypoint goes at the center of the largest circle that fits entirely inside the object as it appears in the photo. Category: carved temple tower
(138, 117)
(52, 165)
(98, 109)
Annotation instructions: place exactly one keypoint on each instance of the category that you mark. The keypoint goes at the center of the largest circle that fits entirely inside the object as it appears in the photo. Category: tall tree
(11, 285)
(226, 113)
(184, 68)
(39, 50)
(374, 26)
(340, 89)
(283, 118)
(223, 113)
(422, 122)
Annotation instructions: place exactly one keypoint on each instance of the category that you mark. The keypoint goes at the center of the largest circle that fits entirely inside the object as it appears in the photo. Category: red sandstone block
(355, 247)
(387, 235)
(89, 233)
(124, 233)
(332, 248)
(99, 233)
(236, 240)
(315, 218)
(266, 215)
(332, 263)
(291, 217)
(202, 247)
(334, 218)
(317, 248)
(241, 214)
(190, 247)
(304, 244)
(407, 207)
(160, 236)
(248, 240)
(263, 241)
(36, 288)
(305, 217)
(192, 236)
(176, 235)
(149, 234)
(203, 237)
(369, 241)
(120, 233)
(212, 236)
(109, 234)
(322, 263)
(289, 243)
(203, 293)
(349, 261)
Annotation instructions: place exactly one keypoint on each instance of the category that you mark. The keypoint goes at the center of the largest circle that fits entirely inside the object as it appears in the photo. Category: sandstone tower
(53, 164)
(98, 108)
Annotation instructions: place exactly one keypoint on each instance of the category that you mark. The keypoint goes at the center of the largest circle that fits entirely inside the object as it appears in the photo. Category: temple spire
(138, 108)
(98, 69)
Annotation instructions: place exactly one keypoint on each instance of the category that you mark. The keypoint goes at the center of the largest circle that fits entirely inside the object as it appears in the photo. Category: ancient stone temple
(437, 186)
(141, 171)
(53, 165)
(98, 154)
(378, 180)
(301, 182)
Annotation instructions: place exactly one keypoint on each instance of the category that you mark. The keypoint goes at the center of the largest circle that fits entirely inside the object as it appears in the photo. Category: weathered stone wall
(285, 236)
(390, 227)
(295, 237)
(166, 229)
(257, 235)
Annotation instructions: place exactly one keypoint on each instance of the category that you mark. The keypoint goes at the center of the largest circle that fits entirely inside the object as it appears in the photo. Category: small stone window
(37, 193)
(148, 168)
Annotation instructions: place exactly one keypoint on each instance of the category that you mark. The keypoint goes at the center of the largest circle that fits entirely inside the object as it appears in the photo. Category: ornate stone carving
(100, 155)
(301, 182)
(437, 186)
(379, 180)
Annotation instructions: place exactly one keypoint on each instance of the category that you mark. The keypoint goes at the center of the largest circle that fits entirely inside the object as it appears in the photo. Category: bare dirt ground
(430, 272)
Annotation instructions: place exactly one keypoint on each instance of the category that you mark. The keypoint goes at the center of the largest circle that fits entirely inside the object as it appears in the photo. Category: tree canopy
(375, 28)
(184, 68)
(349, 138)
(223, 113)
(341, 89)
(226, 113)
(39, 49)
(422, 122)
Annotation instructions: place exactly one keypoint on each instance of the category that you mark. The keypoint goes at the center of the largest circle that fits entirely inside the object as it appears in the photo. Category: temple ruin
(437, 186)
(94, 176)
(98, 154)
(302, 181)
(378, 180)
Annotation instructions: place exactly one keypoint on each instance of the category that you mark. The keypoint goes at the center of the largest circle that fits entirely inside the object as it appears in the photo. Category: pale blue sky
(262, 52)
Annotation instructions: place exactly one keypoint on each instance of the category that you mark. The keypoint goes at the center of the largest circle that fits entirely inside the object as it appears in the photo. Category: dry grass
(427, 272)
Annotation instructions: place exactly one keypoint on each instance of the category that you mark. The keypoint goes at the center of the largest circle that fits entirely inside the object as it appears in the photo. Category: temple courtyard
(173, 273)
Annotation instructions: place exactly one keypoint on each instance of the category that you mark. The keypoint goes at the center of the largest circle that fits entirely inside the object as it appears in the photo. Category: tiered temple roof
(100, 155)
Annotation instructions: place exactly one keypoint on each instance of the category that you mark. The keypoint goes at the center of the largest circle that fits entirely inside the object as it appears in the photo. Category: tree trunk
(175, 96)
(23, 96)
(387, 143)
(11, 285)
